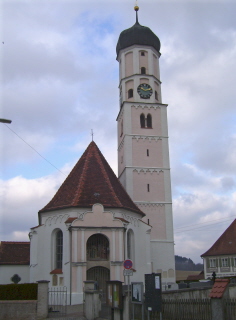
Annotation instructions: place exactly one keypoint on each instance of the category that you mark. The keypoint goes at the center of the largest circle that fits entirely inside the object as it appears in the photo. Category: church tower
(143, 152)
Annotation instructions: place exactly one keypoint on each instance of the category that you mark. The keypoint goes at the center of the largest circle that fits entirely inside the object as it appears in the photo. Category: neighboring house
(221, 257)
(14, 260)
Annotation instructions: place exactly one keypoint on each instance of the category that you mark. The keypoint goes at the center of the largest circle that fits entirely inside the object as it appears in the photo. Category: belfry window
(142, 120)
(143, 70)
(59, 249)
(130, 93)
(147, 152)
(146, 122)
(148, 188)
(149, 121)
(142, 53)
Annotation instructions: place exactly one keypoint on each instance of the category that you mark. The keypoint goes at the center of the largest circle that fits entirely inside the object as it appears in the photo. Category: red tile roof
(91, 181)
(219, 288)
(226, 244)
(12, 252)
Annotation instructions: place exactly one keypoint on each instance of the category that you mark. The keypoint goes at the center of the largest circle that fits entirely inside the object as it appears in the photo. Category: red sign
(128, 264)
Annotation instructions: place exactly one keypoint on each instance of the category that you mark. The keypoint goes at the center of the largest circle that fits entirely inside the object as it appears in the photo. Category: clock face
(144, 90)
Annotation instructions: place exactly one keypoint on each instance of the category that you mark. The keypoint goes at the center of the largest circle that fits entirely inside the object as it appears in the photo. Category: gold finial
(136, 7)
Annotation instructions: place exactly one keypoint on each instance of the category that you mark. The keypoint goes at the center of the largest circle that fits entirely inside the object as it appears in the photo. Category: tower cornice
(148, 105)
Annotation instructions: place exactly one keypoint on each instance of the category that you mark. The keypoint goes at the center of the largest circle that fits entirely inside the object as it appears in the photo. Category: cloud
(60, 80)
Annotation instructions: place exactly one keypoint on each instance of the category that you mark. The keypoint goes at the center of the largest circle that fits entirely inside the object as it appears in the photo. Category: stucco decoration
(148, 107)
(56, 219)
(98, 218)
(149, 138)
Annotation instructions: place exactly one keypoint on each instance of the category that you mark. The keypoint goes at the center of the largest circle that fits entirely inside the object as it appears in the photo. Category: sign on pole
(128, 264)
(127, 272)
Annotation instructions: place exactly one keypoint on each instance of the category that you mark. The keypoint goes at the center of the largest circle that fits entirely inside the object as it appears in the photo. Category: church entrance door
(101, 275)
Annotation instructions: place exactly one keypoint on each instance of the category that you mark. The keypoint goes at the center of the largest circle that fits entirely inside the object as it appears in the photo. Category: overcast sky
(59, 80)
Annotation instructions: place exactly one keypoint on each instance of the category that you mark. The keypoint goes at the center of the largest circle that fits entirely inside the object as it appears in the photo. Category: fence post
(42, 303)
(219, 291)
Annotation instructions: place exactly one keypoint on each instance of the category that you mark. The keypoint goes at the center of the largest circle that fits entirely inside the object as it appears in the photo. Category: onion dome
(138, 35)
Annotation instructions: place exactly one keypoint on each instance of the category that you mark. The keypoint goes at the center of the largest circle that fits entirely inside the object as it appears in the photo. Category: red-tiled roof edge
(208, 252)
(18, 242)
(219, 288)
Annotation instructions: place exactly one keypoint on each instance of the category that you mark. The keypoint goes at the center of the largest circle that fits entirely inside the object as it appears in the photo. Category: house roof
(219, 288)
(194, 277)
(12, 252)
(91, 181)
(226, 244)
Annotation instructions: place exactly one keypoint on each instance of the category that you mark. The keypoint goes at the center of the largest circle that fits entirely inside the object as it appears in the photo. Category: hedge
(23, 291)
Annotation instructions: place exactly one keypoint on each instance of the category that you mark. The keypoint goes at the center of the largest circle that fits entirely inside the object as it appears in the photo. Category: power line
(198, 224)
(209, 225)
(35, 150)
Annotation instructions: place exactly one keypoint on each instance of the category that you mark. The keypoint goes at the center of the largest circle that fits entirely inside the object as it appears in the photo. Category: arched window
(149, 121)
(142, 120)
(142, 53)
(59, 249)
(130, 93)
(130, 245)
(143, 70)
(97, 247)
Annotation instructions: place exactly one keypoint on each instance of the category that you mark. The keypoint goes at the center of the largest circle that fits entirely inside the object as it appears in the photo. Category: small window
(149, 121)
(142, 120)
(156, 95)
(224, 262)
(121, 128)
(148, 187)
(130, 93)
(143, 70)
(147, 152)
(212, 263)
(142, 53)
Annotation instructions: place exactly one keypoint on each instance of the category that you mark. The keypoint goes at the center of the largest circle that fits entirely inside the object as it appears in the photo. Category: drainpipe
(70, 230)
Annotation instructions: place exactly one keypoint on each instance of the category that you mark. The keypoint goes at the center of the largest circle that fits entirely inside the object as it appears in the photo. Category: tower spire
(136, 8)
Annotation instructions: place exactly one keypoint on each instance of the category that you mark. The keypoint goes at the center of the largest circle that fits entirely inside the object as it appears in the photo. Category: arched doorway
(99, 274)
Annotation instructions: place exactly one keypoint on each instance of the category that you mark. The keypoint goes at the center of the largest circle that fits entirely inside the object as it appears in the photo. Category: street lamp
(5, 120)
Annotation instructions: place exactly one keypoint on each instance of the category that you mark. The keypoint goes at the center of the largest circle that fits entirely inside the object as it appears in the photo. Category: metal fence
(57, 301)
(184, 309)
(230, 309)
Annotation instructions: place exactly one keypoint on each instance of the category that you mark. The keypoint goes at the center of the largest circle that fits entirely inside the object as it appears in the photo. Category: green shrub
(23, 291)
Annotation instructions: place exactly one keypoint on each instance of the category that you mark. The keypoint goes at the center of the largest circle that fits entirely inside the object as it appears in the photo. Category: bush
(23, 291)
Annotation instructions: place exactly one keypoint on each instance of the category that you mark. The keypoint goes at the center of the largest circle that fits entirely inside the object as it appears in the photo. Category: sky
(59, 80)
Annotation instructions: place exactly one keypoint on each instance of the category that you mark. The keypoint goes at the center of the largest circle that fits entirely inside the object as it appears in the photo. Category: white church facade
(95, 220)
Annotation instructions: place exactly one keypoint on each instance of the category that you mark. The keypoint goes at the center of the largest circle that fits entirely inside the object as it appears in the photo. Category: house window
(59, 249)
(148, 187)
(224, 262)
(212, 263)
(149, 121)
(147, 152)
(143, 70)
(235, 262)
(130, 93)
(142, 120)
